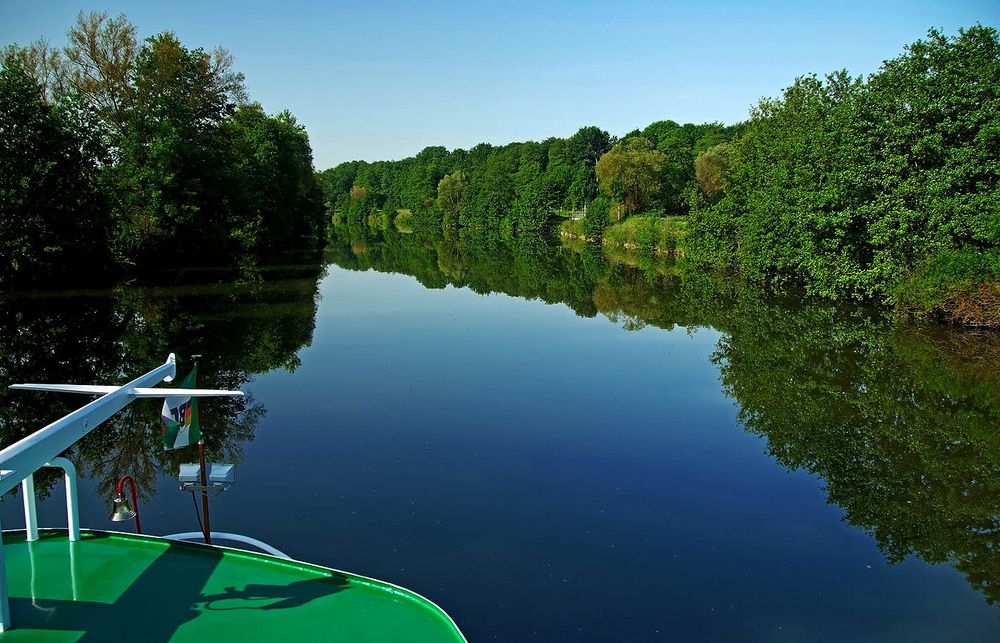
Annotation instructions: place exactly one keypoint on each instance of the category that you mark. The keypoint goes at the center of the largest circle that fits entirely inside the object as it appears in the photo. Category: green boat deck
(119, 587)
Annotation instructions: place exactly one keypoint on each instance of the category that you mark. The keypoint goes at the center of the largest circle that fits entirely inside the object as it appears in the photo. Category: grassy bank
(662, 235)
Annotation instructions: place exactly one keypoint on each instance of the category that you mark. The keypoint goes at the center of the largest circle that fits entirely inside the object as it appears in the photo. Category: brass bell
(121, 511)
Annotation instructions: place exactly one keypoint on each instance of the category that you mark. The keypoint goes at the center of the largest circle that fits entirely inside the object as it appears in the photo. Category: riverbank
(663, 236)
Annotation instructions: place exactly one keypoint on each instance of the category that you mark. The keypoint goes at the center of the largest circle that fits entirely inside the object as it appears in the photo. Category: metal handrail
(72, 504)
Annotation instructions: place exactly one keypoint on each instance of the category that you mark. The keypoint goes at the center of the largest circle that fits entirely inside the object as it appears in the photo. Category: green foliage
(582, 189)
(171, 167)
(403, 221)
(514, 188)
(846, 185)
(490, 193)
(192, 170)
(709, 167)
(598, 217)
(517, 187)
(53, 221)
(450, 192)
(648, 232)
(531, 206)
(961, 285)
(573, 228)
(588, 145)
(630, 174)
(280, 201)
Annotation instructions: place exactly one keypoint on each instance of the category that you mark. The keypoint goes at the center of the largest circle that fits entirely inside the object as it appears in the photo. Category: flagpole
(204, 492)
(204, 479)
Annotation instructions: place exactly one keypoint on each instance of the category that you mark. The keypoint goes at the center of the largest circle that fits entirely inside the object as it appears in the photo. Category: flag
(179, 417)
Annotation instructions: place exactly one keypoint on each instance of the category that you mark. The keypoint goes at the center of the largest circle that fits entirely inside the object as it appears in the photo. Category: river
(552, 443)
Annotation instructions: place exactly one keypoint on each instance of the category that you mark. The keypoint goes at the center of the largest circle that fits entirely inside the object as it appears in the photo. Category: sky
(382, 80)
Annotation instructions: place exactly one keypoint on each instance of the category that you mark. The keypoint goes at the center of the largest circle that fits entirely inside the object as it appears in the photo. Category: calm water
(556, 445)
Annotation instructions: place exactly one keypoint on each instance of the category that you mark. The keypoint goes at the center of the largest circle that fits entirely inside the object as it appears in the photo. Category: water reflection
(900, 421)
(244, 322)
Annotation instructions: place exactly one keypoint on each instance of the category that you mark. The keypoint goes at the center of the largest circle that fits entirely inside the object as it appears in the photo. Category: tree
(450, 191)
(164, 134)
(598, 213)
(45, 65)
(490, 191)
(101, 58)
(709, 167)
(52, 218)
(661, 131)
(587, 145)
(530, 208)
(629, 173)
(171, 180)
(279, 199)
(582, 189)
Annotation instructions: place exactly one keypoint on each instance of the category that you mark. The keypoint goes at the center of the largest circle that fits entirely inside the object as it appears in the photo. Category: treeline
(517, 187)
(116, 154)
(882, 188)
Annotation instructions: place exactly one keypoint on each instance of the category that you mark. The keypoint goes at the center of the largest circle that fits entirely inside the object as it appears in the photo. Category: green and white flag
(179, 417)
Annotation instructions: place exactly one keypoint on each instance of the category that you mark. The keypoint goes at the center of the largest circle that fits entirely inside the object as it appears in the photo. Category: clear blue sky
(380, 80)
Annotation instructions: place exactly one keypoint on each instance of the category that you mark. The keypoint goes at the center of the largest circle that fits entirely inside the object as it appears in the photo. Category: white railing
(72, 505)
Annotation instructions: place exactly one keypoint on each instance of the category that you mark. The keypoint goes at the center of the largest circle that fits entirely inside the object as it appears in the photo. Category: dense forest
(881, 189)
(119, 155)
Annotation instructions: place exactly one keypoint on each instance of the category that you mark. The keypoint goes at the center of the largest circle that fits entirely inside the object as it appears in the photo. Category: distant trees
(183, 164)
(597, 218)
(582, 189)
(588, 145)
(513, 187)
(516, 187)
(883, 188)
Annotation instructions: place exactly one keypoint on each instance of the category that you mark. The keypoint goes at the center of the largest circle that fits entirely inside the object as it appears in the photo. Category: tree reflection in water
(243, 322)
(899, 420)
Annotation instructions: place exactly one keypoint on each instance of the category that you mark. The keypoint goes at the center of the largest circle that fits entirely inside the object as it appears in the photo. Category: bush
(597, 218)
(648, 232)
(961, 286)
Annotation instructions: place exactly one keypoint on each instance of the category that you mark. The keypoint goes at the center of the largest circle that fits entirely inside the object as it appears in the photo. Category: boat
(77, 584)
